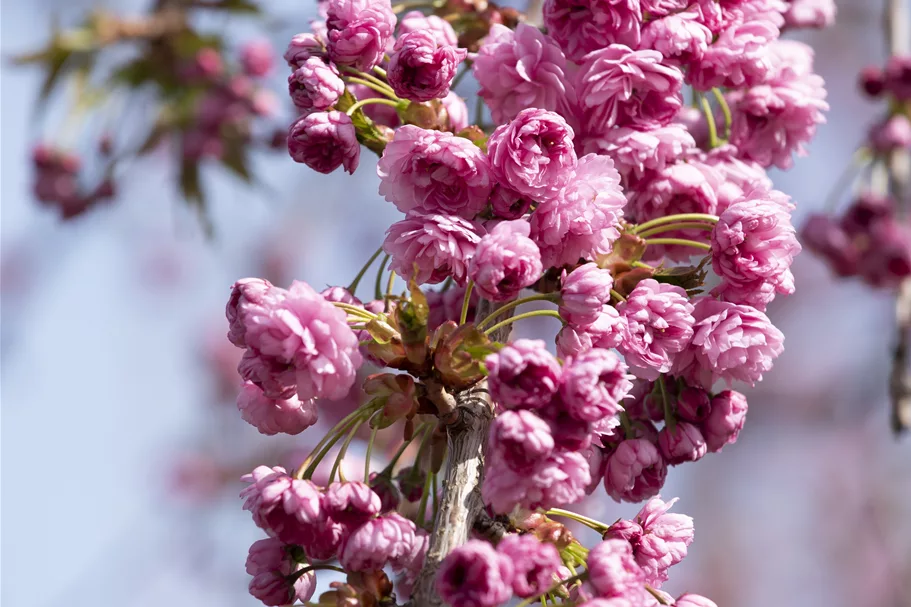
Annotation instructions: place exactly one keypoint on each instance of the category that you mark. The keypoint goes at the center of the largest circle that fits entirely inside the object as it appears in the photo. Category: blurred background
(122, 447)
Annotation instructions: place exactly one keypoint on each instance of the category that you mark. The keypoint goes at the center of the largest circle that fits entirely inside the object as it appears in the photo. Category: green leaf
(235, 160)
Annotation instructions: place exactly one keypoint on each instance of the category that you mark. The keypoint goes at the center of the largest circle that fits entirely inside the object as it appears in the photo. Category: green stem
(378, 287)
(683, 225)
(669, 419)
(588, 522)
(518, 302)
(390, 284)
(379, 71)
(357, 279)
(425, 493)
(532, 314)
(344, 450)
(382, 90)
(463, 317)
(339, 427)
(335, 435)
(726, 110)
(710, 120)
(673, 219)
(639, 264)
(368, 101)
(354, 310)
(681, 241)
(616, 295)
(436, 499)
(353, 73)
(556, 587)
(369, 455)
(658, 596)
(628, 430)
(390, 467)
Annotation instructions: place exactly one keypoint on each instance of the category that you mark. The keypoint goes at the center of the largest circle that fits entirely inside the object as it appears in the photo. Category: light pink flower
(523, 375)
(270, 563)
(739, 57)
(635, 471)
(421, 69)
(522, 69)
(679, 37)
(636, 151)
(325, 141)
(358, 31)
(583, 293)
(619, 86)
(257, 58)
(351, 503)
(416, 21)
(282, 506)
(753, 247)
(582, 26)
(250, 298)
(659, 324)
(605, 332)
(594, 383)
(456, 111)
(434, 172)
(557, 480)
(271, 416)
(431, 248)
(533, 154)
(302, 47)
(475, 575)
(376, 543)
(315, 85)
(535, 563)
(693, 600)
(730, 342)
(613, 572)
(773, 120)
(506, 261)
(582, 221)
(724, 423)
(738, 176)
(521, 439)
(810, 13)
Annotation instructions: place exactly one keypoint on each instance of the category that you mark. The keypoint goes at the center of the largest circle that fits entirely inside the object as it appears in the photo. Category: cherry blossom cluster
(868, 240)
(618, 156)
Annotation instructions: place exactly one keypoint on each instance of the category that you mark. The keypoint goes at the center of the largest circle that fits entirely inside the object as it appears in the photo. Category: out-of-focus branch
(897, 25)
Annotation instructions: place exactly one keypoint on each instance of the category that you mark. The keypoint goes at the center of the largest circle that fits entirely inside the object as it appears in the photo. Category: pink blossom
(377, 542)
(522, 69)
(250, 298)
(693, 404)
(508, 204)
(887, 261)
(302, 47)
(324, 141)
(660, 8)
(679, 37)
(730, 342)
(270, 563)
(738, 176)
(256, 58)
(434, 172)
(724, 423)
(409, 565)
(613, 572)
(659, 324)
(535, 563)
(753, 247)
(557, 480)
(358, 31)
(583, 293)
(898, 76)
(282, 506)
(694, 600)
(619, 86)
(605, 332)
(893, 133)
(351, 503)
(582, 221)
(315, 85)
(505, 261)
(431, 248)
(421, 69)
(635, 471)
(523, 375)
(533, 154)
(810, 13)
(737, 58)
(475, 575)
(271, 416)
(416, 21)
(685, 187)
(521, 438)
(636, 151)
(456, 111)
(570, 434)
(771, 121)
(683, 444)
(594, 383)
(582, 26)
(276, 379)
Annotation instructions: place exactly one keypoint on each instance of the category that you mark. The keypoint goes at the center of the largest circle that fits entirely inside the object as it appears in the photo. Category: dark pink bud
(325, 141)
(352, 503)
(683, 444)
(723, 425)
(872, 81)
(898, 76)
(693, 404)
(475, 575)
(635, 471)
